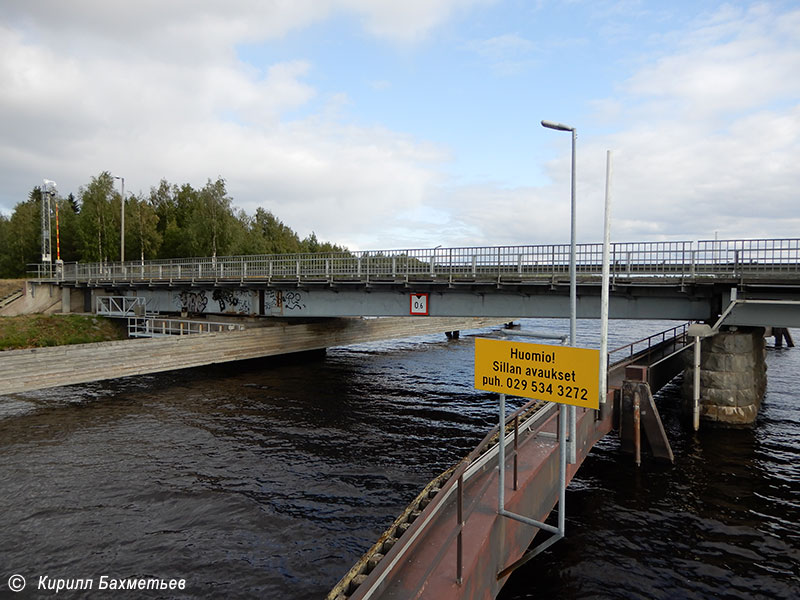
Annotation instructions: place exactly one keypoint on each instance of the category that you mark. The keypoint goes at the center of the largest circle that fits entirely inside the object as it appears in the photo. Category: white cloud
(149, 93)
(735, 60)
(706, 141)
(410, 20)
(209, 24)
(705, 135)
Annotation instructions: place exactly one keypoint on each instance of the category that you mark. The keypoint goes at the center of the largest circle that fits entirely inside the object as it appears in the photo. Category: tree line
(171, 222)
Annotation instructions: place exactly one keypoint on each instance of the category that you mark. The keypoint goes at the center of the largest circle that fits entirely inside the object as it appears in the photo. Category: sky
(380, 124)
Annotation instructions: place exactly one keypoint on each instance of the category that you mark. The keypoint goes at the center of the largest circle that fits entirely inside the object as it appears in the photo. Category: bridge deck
(703, 260)
(650, 280)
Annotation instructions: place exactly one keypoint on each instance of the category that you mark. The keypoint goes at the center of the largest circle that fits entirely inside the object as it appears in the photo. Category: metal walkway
(450, 543)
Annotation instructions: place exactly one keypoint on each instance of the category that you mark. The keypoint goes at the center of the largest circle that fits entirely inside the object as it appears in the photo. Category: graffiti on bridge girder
(233, 299)
(278, 299)
(192, 302)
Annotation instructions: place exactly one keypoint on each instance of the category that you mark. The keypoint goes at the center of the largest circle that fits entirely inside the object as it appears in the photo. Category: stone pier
(733, 376)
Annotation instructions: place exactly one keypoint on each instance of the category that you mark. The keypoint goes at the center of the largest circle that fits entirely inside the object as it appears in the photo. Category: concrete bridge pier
(74, 300)
(733, 377)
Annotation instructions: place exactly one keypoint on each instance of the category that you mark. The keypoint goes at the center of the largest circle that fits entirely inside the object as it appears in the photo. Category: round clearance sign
(554, 373)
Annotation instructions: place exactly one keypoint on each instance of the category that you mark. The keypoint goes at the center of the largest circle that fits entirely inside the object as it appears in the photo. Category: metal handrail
(683, 259)
(673, 333)
(455, 483)
(154, 326)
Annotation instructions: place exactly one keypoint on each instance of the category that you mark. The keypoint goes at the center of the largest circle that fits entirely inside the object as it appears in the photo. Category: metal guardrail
(676, 335)
(162, 327)
(533, 417)
(683, 259)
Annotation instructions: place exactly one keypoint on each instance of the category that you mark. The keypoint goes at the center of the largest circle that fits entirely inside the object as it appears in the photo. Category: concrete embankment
(37, 368)
(32, 299)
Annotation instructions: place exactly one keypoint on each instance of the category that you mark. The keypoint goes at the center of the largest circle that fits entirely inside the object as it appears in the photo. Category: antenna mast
(48, 191)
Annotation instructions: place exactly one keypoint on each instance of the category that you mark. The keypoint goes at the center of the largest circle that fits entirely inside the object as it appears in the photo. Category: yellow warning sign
(554, 373)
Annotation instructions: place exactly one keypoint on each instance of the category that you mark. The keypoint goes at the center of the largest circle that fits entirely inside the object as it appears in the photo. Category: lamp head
(558, 126)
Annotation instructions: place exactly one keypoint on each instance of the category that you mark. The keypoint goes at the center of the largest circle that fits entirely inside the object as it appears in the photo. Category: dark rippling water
(269, 479)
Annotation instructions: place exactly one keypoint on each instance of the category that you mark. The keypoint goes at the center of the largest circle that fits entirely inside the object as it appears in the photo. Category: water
(269, 479)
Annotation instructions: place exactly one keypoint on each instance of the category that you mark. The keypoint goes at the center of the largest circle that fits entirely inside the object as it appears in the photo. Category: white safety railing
(684, 259)
(161, 327)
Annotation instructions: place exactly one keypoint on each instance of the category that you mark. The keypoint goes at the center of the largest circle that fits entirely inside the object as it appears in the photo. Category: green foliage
(5, 251)
(22, 239)
(172, 222)
(99, 220)
(311, 244)
(142, 238)
(68, 231)
(271, 236)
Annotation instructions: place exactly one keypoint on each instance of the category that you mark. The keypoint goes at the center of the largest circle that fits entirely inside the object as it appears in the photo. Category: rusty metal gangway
(450, 542)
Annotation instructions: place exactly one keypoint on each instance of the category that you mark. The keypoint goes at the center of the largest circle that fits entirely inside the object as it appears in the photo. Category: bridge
(736, 287)
(453, 541)
(682, 280)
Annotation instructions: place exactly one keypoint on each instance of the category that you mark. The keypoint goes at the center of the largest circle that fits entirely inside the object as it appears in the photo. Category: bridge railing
(155, 326)
(741, 257)
(683, 259)
(675, 335)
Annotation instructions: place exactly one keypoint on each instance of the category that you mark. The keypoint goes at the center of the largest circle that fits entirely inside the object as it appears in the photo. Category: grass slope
(35, 331)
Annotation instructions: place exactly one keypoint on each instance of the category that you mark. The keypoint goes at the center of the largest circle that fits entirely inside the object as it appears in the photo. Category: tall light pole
(48, 192)
(122, 222)
(573, 293)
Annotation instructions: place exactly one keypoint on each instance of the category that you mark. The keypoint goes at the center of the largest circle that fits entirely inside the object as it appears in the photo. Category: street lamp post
(122, 222)
(573, 294)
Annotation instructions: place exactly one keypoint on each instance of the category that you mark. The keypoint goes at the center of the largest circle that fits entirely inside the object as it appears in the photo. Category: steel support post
(573, 297)
(501, 458)
(122, 225)
(562, 470)
(696, 388)
(605, 291)
(559, 531)
(501, 455)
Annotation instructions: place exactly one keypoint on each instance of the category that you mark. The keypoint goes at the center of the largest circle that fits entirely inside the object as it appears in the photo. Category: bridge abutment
(733, 377)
